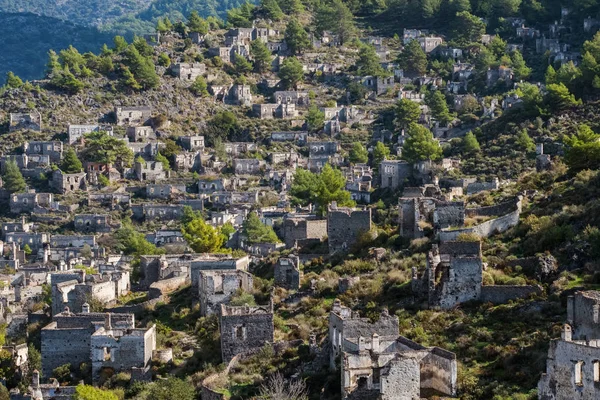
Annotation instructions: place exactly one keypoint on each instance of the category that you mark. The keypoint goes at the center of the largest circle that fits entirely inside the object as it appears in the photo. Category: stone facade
(25, 121)
(250, 166)
(287, 272)
(140, 134)
(345, 225)
(77, 132)
(93, 223)
(149, 171)
(191, 143)
(216, 287)
(54, 150)
(291, 97)
(274, 110)
(395, 368)
(244, 329)
(29, 202)
(188, 71)
(298, 229)
(103, 339)
(163, 212)
(165, 191)
(573, 364)
(66, 183)
(132, 115)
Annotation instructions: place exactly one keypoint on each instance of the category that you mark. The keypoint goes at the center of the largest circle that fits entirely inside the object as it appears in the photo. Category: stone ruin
(454, 275)
(573, 364)
(377, 363)
(245, 329)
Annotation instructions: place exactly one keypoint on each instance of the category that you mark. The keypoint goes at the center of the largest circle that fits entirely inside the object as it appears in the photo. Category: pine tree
(53, 66)
(368, 62)
(12, 178)
(296, 37)
(128, 80)
(291, 72)
(407, 112)
(199, 87)
(413, 59)
(271, 9)
(120, 44)
(470, 143)
(201, 237)
(420, 145)
(358, 154)
(71, 164)
(163, 160)
(315, 118)
(261, 55)
(13, 81)
(197, 24)
(380, 153)
(142, 68)
(242, 65)
(438, 106)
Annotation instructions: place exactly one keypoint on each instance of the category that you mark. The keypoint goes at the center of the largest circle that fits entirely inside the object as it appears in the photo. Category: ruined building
(573, 364)
(104, 340)
(217, 287)
(345, 225)
(245, 329)
(454, 275)
(287, 272)
(376, 363)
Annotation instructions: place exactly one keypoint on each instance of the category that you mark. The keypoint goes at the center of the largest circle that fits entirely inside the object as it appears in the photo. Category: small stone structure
(573, 365)
(132, 115)
(140, 134)
(244, 329)
(217, 287)
(345, 225)
(287, 272)
(105, 340)
(52, 149)
(394, 173)
(300, 229)
(188, 71)
(454, 275)
(93, 223)
(30, 121)
(66, 183)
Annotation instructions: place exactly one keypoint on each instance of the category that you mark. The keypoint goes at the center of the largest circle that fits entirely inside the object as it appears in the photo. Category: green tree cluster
(100, 147)
(335, 16)
(320, 188)
(358, 154)
(261, 56)
(200, 236)
(296, 37)
(256, 231)
(71, 163)
(368, 62)
(315, 118)
(241, 17)
(583, 149)
(12, 178)
(291, 73)
(407, 112)
(420, 145)
(413, 59)
(131, 242)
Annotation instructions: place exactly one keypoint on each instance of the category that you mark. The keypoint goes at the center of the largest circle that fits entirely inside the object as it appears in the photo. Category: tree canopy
(320, 188)
(100, 147)
(420, 145)
(291, 73)
(12, 178)
(257, 232)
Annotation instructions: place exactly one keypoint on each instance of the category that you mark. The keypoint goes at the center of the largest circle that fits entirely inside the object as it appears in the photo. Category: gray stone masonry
(395, 368)
(244, 329)
(21, 121)
(217, 287)
(132, 115)
(345, 225)
(287, 272)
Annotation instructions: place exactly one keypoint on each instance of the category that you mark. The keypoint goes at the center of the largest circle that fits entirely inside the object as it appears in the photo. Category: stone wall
(160, 288)
(477, 187)
(439, 371)
(485, 229)
(462, 283)
(344, 227)
(64, 346)
(495, 210)
(499, 294)
(295, 229)
(583, 313)
(244, 328)
(447, 214)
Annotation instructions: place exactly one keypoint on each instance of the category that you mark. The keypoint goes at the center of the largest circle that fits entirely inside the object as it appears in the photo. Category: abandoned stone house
(454, 275)
(395, 368)
(71, 290)
(52, 149)
(188, 161)
(30, 202)
(237, 148)
(94, 170)
(30, 165)
(430, 43)
(231, 198)
(66, 183)
(299, 137)
(149, 171)
(277, 46)
(274, 110)
(58, 241)
(114, 201)
(140, 134)
(77, 132)
(394, 173)
(156, 268)
(345, 323)
(16, 226)
(345, 225)
(191, 143)
(212, 262)
(573, 363)
(249, 166)
(245, 329)
(378, 84)
(502, 73)
(300, 230)
(321, 153)
(43, 391)
(104, 340)
(163, 237)
(35, 241)
(216, 287)
(147, 149)
(210, 185)
(132, 115)
(93, 223)
(240, 95)
(188, 71)
(25, 121)
(287, 272)
(166, 191)
(291, 97)
(161, 212)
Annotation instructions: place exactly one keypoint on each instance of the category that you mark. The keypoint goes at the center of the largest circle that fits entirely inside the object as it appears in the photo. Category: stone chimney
(46, 252)
(85, 308)
(375, 343)
(567, 333)
(337, 306)
(361, 344)
(108, 322)
(18, 293)
(35, 379)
